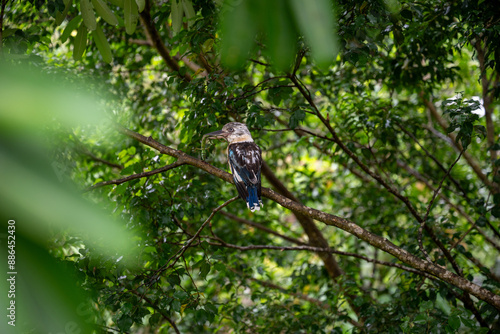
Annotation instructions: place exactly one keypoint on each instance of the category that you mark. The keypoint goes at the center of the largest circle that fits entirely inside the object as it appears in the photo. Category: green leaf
(238, 31)
(88, 14)
(280, 32)
(141, 4)
(211, 308)
(426, 306)
(80, 42)
(102, 44)
(60, 16)
(495, 211)
(187, 5)
(103, 10)
(177, 14)
(421, 319)
(173, 280)
(454, 322)
(204, 269)
(180, 294)
(131, 150)
(316, 20)
(124, 323)
(130, 14)
(296, 118)
(155, 319)
(219, 266)
(176, 305)
(150, 249)
(70, 27)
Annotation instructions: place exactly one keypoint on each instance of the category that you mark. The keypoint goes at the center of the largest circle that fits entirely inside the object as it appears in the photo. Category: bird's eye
(230, 129)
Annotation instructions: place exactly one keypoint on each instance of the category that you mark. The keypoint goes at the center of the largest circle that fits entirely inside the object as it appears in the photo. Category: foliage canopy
(378, 122)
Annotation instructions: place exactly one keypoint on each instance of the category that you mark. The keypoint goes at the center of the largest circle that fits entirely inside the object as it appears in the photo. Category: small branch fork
(174, 258)
(436, 192)
(332, 220)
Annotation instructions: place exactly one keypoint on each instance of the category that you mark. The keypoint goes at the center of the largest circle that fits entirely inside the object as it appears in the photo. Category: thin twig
(158, 309)
(423, 222)
(438, 163)
(244, 96)
(333, 220)
(298, 295)
(173, 259)
(176, 164)
(263, 228)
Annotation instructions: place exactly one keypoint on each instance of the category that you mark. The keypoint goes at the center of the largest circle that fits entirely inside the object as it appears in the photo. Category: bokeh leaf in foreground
(41, 203)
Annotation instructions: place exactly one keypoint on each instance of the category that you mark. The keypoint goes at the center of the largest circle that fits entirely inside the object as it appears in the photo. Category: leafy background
(381, 112)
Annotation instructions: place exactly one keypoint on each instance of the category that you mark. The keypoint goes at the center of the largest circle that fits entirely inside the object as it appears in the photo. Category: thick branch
(332, 220)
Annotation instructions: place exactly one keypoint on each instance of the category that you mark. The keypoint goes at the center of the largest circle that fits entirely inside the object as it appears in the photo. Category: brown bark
(332, 220)
(315, 236)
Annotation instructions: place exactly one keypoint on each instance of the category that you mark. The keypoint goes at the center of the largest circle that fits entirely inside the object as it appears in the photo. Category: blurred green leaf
(316, 21)
(238, 32)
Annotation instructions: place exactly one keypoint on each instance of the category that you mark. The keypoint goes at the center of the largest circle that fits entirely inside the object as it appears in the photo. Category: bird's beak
(217, 135)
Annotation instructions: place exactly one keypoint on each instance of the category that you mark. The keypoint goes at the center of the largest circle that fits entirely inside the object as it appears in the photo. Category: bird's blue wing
(245, 161)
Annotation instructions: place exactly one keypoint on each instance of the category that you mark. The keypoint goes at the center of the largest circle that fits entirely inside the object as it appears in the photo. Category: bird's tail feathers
(253, 201)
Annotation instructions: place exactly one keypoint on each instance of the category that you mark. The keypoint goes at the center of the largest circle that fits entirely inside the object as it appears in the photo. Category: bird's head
(233, 132)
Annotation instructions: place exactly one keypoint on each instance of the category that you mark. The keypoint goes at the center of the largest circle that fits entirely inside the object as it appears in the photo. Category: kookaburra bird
(245, 160)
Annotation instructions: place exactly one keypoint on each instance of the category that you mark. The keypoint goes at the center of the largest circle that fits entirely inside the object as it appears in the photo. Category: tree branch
(455, 207)
(438, 163)
(319, 250)
(157, 42)
(137, 176)
(174, 258)
(472, 162)
(332, 220)
(299, 295)
(307, 95)
(158, 309)
(422, 224)
(262, 228)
